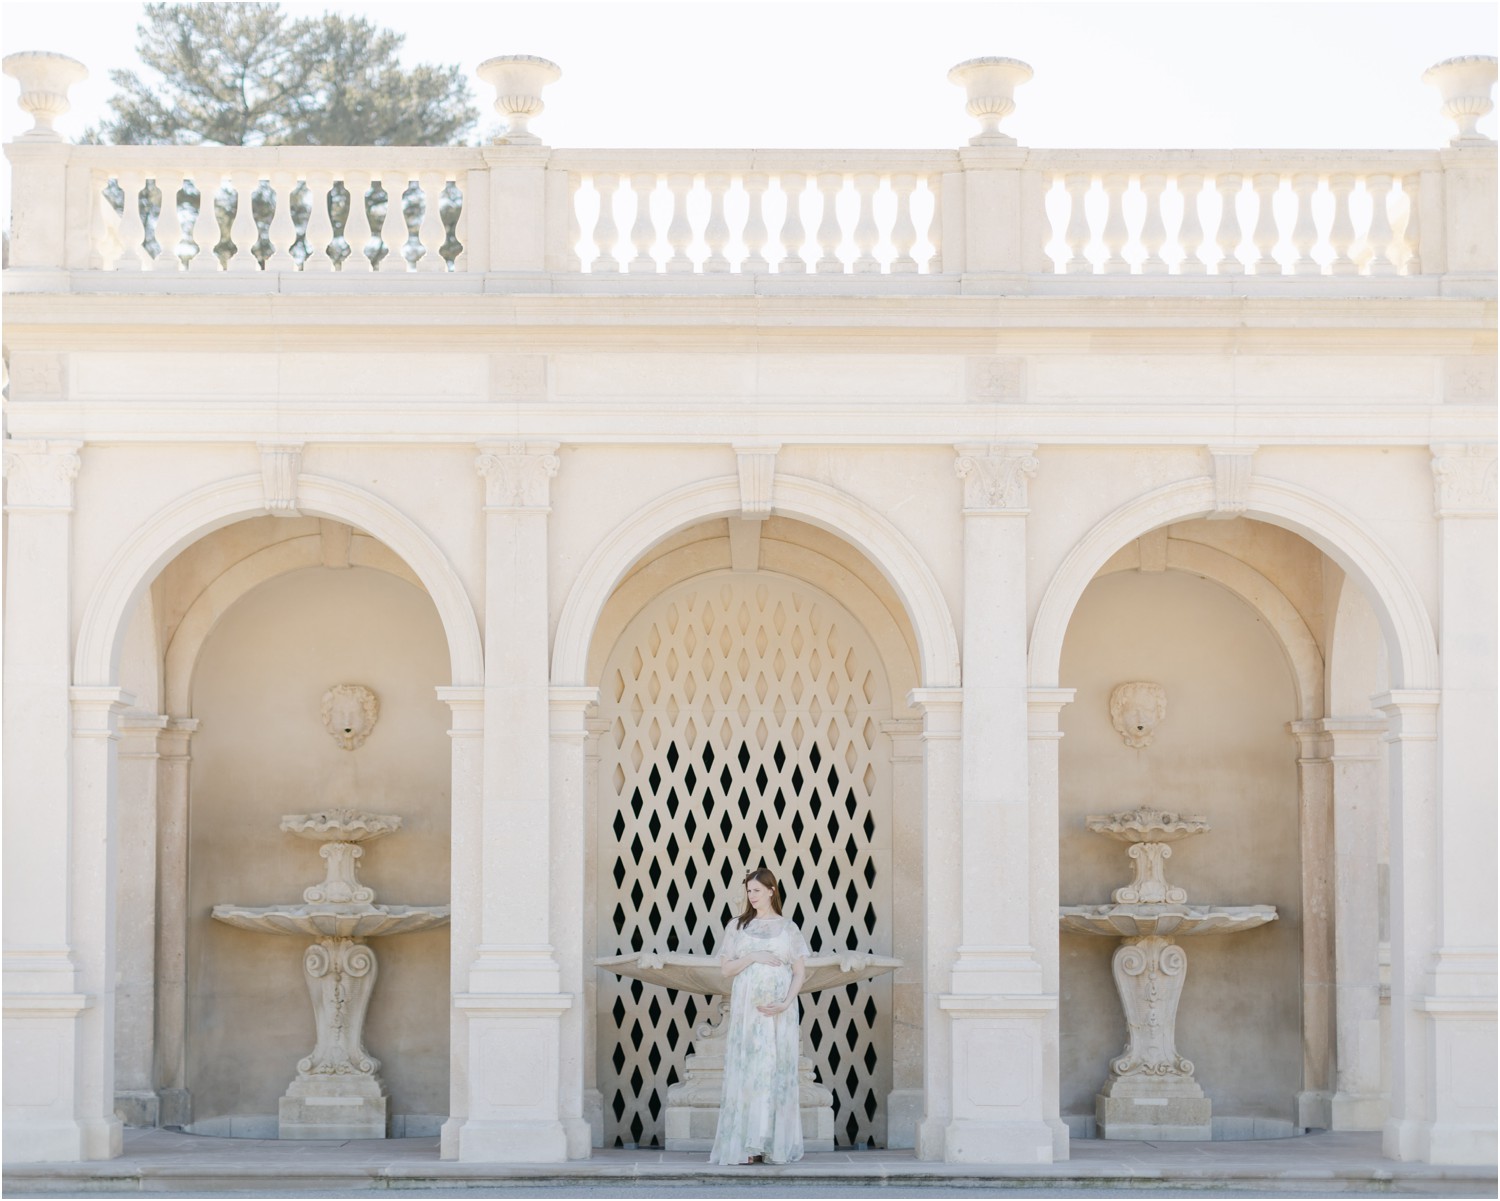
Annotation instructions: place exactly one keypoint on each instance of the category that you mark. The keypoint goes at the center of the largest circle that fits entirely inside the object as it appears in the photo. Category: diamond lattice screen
(744, 720)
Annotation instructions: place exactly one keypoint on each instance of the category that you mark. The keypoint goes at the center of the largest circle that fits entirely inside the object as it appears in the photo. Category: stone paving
(1314, 1165)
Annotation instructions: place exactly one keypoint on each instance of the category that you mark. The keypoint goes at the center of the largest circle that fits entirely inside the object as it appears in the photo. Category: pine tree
(244, 74)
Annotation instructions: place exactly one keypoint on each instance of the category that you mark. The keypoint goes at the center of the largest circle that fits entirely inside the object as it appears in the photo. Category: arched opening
(748, 713)
(228, 650)
(1239, 622)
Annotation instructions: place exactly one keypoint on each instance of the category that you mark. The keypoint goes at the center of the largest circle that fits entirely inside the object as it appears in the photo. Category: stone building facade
(685, 510)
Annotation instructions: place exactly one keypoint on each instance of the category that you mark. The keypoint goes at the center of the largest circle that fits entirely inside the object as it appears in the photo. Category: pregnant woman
(765, 954)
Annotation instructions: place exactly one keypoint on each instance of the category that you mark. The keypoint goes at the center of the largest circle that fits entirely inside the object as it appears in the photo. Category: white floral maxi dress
(760, 1114)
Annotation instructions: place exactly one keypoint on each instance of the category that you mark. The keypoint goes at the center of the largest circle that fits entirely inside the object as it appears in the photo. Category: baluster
(283, 231)
(1077, 233)
(606, 232)
(357, 227)
(830, 183)
(866, 232)
(1411, 188)
(575, 230)
(406, 198)
(131, 253)
(1305, 229)
(206, 234)
(319, 224)
(432, 232)
(1341, 236)
(793, 235)
(643, 231)
(1379, 238)
(1190, 235)
(716, 232)
(242, 230)
(680, 230)
(935, 224)
(168, 224)
(377, 210)
(903, 231)
(1265, 184)
(104, 224)
(1229, 235)
(754, 237)
(1115, 233)
(1154, 231)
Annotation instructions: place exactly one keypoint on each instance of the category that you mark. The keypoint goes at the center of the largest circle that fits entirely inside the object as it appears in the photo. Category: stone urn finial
(990, 84)
(1465, 84)
(45, 79)
(518, 80)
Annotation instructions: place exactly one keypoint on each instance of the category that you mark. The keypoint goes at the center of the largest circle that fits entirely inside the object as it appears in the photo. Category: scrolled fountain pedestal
(337, 1092)
(1151, 1092)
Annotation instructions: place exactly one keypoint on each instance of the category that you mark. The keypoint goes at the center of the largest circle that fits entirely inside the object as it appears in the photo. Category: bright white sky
(859, 73)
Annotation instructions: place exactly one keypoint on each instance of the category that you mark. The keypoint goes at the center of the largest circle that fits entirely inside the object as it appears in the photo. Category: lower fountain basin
(701, 974)
(334, 921)
(1169, 921)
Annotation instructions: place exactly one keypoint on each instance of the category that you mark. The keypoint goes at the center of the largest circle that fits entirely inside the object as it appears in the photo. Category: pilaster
(135, 908)
(998, 1007)
(1315, 822)
(1353, 749)
(907, 1099)
(174, 777)
(570, 736)
(514, 1000)
(46, 989)
(1044, 708)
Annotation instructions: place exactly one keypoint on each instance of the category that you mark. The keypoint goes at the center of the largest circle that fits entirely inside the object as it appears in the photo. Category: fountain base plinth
(691, 1119)
(351, 1107)
(1170, 1109)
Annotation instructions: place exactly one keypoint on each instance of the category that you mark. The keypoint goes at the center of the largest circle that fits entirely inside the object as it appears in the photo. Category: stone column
(570, 738)
(1315, 841)
(942, 836)
(1460, 1002)
(1044, 713)
(92, 898)
(514, 999)
(905, 1103)
(1416, 916)
(1352, 745)
(136, 1102)
(173, 777)
(997, 1004)
(45, 994)
(466, 801)
(593, 1098)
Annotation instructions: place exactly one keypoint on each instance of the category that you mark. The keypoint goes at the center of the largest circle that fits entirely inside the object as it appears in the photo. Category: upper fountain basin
(701, 974)
(1147, 825)
(334, 921)
(1176, 921)
(340, 825)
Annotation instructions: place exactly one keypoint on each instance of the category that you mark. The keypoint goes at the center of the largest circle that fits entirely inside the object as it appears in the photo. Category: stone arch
(1297, 643)
(795, 497)
(220, 595)
(1338, 534)
(153, 544)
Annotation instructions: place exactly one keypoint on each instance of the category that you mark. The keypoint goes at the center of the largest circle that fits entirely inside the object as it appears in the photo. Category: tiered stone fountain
(337, 1092)
(692, 1113)
(1151, 1092)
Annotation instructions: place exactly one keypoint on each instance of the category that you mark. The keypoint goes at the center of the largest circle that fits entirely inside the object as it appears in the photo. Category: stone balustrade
(520, 216)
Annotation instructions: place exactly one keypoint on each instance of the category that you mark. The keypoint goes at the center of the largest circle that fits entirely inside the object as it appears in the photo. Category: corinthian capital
(40, 475)
(517, 475)
(1463, 477)
(995, 476)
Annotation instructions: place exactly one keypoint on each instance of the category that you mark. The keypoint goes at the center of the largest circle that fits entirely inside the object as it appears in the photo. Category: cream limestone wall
(262, 752)
(1223, 752)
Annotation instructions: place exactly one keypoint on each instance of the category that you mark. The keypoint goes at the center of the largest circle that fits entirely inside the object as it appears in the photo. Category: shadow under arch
(146, 551)
(1298, 646)
(1342, 537)
(807, 500)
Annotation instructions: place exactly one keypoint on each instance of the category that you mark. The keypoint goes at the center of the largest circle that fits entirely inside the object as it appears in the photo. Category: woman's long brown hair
(764, 877)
